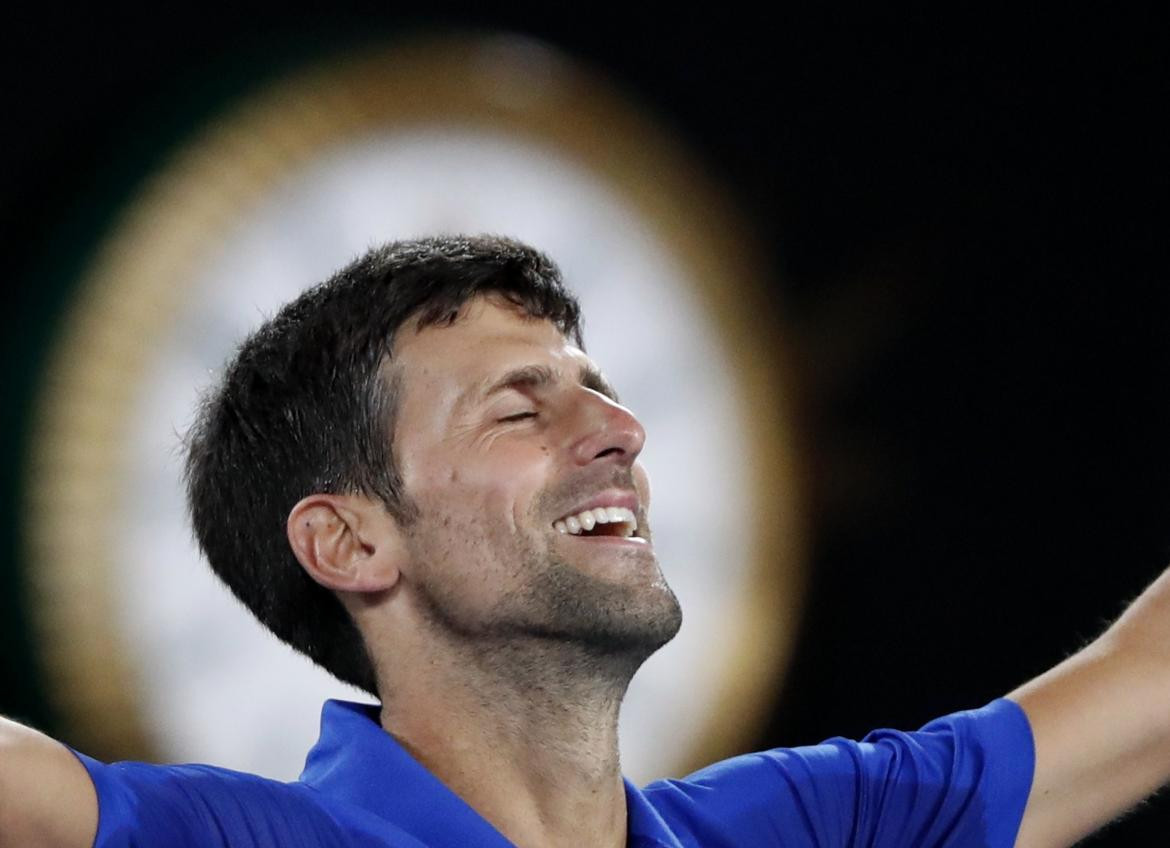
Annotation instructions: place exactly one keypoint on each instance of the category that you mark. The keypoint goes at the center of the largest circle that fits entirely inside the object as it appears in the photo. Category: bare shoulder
(46, 796)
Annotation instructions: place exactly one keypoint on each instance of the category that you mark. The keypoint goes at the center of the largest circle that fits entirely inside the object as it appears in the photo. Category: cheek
(483, 498)
(491, 493)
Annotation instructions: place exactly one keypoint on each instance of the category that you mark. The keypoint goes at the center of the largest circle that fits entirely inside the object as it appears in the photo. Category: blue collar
(356, 761)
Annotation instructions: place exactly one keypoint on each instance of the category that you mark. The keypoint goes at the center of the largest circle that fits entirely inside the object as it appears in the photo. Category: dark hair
(305, 407)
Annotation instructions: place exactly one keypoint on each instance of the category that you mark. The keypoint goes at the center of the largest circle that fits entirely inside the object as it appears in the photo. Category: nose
(608, 430)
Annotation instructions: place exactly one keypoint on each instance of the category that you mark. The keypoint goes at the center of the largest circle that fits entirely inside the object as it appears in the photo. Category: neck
(524, 730)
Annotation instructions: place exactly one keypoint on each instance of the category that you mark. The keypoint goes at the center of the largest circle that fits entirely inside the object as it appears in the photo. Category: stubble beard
(562, 628)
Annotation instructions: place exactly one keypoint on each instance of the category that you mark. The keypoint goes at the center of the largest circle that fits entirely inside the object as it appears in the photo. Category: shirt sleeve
(961, 781)
(194, 806)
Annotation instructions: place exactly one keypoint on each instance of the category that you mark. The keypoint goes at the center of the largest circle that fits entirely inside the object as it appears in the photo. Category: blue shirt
(961, 782)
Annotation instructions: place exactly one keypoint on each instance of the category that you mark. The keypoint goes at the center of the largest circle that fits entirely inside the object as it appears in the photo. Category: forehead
(452, 366)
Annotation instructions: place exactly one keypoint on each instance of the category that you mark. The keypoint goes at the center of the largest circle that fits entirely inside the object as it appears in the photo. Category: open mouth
(601, 521)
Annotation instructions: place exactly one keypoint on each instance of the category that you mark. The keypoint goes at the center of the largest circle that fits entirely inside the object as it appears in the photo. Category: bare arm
(1101, 721)
(46, 796)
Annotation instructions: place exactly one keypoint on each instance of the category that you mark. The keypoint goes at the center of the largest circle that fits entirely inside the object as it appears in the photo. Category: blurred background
(890, 293)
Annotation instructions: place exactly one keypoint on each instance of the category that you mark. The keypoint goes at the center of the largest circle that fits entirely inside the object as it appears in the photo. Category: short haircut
(305, 407)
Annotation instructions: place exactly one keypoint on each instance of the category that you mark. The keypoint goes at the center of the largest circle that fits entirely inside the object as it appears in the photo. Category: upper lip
(610, 497)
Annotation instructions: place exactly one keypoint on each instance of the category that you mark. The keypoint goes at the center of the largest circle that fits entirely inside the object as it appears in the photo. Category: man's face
(504, 431)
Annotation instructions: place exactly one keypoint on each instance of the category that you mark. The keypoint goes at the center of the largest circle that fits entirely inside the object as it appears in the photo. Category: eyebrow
(539, 377)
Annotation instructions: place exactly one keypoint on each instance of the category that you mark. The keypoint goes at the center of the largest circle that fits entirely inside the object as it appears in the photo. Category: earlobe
(345, 542)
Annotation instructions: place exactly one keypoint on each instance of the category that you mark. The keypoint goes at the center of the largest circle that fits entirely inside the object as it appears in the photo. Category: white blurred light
(221, 688)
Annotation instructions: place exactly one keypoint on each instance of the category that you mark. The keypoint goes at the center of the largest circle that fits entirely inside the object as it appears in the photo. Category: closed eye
(519, 415)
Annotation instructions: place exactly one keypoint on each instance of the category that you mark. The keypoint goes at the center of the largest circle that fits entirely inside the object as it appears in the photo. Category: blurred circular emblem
(149, 656)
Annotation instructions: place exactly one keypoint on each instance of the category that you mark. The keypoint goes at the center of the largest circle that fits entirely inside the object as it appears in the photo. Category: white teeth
(587, 519)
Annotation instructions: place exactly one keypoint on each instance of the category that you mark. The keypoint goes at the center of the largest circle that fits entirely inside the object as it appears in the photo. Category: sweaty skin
(504, 646)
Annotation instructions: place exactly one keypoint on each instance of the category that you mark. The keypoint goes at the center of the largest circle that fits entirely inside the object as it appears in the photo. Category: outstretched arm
(1101, 721)
(46, 796)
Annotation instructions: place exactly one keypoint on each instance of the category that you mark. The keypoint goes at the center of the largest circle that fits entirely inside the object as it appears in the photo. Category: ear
(347, 543)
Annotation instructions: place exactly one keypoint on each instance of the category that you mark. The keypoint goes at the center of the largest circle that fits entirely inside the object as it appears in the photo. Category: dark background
(967, 217)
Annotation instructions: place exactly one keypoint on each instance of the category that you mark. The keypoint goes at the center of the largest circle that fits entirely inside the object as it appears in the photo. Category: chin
(612, 620)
